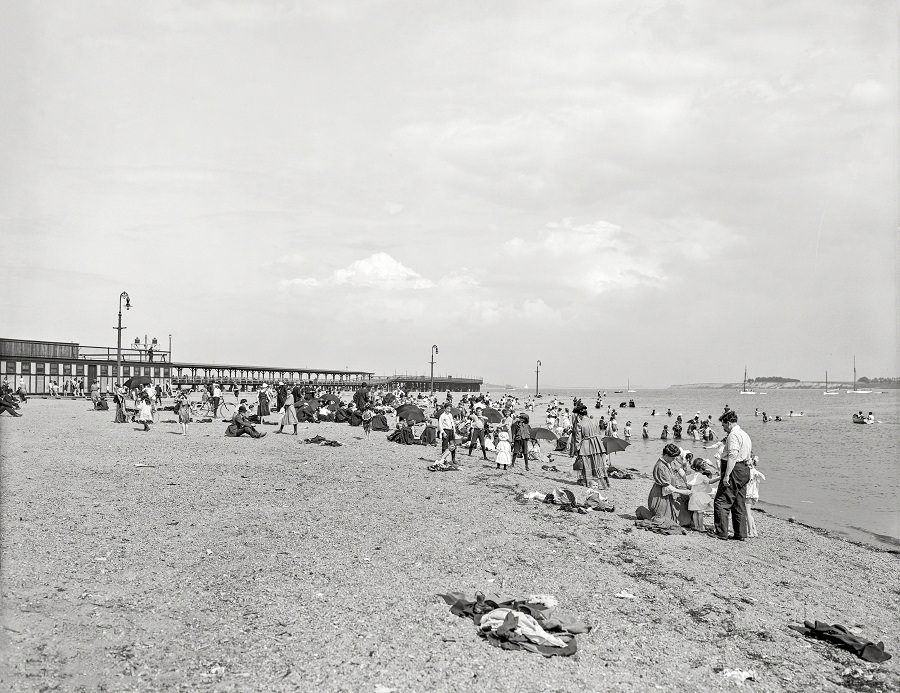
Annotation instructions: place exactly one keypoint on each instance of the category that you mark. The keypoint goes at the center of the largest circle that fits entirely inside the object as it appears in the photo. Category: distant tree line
(883, 381)
(773, 379)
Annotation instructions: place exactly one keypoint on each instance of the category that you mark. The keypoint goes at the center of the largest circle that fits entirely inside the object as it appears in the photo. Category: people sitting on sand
(667, 501)
(402, 433)
(8, 404)
(241, 425)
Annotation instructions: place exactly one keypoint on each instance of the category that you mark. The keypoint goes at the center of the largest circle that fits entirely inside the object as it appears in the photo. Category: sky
(648, 191)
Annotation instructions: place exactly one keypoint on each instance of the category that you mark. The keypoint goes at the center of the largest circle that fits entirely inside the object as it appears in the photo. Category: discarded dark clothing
(319, 440)
(838, 635)
(101, 405)
(629, 473)
(355, 418)
(443, 467)
(660, 526)
(379, 423)
(517, 624)
(567, 502)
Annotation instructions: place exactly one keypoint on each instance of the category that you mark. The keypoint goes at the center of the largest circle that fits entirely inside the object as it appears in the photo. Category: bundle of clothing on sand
(532, 623)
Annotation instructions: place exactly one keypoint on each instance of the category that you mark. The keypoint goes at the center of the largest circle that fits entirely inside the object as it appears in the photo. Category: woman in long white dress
(289, 414)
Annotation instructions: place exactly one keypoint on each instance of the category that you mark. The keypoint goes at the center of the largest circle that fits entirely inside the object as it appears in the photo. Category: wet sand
(240, 564)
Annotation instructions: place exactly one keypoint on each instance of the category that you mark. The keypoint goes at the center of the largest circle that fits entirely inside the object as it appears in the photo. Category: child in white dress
(701, 481)
(503, 450)
(756, 477)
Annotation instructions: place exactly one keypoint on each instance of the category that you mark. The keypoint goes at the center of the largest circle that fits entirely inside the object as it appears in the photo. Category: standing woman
(263, 397)
(289, 414)
(184, 410)
(586, 446)
(121, 416)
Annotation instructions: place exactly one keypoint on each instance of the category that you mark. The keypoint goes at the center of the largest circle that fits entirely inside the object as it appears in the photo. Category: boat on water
(856, 390)
(860, 419)
(827, 391)
(744, 390)
(629, 387)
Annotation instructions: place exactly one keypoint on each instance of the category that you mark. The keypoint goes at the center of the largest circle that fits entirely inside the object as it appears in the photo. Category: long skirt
(120, 412)
(289, 418)
(593, 471)
(263, 409)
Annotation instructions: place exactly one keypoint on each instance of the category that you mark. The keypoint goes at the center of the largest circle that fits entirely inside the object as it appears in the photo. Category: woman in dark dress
(586, 446)
(263, 399)
(667, 502)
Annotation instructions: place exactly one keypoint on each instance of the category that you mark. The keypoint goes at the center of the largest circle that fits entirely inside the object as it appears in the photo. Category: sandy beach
(239, 565)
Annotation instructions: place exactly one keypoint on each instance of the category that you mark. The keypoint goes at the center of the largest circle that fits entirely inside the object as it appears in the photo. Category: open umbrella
(330, 398)
(541, 433)
(492, 415)
(136, 381)
(411, 413)
(456, 411)
(613, 444)
(388, 398)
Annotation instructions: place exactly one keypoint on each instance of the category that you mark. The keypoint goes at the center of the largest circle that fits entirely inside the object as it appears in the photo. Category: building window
(79, 369)
(54, 369)
(165, 372)
(103, 370)
(11, 367)
(39, 368)
(146, 370)
(67, 369)
(26, 368)
(126, 370)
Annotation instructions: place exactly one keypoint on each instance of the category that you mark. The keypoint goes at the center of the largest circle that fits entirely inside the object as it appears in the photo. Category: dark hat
(671, 450)
(729, 416)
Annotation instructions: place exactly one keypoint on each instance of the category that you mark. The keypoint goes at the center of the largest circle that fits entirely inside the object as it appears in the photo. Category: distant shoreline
(802, 385)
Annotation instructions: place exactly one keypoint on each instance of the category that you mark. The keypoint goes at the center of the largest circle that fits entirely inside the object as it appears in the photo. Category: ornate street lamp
(119, 330)
(537, 379)
(434, 350)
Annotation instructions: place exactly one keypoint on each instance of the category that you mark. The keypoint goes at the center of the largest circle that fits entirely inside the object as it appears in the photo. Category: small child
(665, 433)
(701, 498)
(503, 450)
(645, 432)
(367, 420)
(627, 431)
(756, 476)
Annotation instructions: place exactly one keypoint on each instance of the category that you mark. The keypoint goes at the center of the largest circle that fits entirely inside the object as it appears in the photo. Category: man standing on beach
(735, 468)
(361, 397)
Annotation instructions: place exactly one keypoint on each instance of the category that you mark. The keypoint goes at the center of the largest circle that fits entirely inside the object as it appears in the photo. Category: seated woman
(403, 434)
(306, 414)
(667, 502)
(379, 423)
(240, 425)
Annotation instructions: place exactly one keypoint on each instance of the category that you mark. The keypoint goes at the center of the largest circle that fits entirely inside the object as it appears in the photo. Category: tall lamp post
(119, 329)
(170, 349)
(537, 379)
(434, 350)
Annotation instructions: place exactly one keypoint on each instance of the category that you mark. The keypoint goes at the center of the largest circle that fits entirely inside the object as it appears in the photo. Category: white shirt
(737, 445)
(446, 421)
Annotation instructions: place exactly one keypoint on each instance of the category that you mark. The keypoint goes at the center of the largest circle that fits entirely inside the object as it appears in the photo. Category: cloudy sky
(658, 191)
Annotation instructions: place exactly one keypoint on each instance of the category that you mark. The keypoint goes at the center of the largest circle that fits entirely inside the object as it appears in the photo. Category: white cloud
(381, 271)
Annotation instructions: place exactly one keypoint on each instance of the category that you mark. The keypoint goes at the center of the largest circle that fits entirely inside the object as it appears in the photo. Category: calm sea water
(820, 468)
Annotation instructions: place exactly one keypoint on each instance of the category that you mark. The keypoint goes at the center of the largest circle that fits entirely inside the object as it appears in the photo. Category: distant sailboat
(834, 392)
(856, 391)
(629, 386)
(744, 390)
